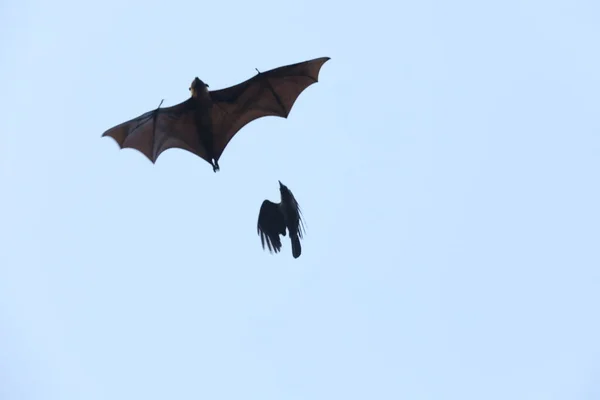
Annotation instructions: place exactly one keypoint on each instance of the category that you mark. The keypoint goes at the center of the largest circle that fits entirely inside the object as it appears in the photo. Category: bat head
(198, 86)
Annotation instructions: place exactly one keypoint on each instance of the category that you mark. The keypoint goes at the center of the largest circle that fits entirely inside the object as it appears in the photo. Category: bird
(275, 218)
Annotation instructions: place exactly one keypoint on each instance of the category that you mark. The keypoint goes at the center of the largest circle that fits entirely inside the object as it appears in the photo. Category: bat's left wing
(269, 93)
(156, 131)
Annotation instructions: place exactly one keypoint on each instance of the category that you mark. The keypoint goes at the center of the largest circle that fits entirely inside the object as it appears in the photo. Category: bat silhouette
(206, 122)
(275, 218)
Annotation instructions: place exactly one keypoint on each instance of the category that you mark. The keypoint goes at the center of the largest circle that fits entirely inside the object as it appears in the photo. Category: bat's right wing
(269, 93)
(156, 131)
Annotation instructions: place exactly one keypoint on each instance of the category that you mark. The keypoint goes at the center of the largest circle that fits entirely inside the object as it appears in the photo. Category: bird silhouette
(275, 218)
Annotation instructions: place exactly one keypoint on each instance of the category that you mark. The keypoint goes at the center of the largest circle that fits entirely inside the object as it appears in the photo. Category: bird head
(282, 187)
(197, 85)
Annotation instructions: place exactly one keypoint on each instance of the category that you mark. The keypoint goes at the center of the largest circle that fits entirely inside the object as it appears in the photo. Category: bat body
(275, 218)
(206, 122)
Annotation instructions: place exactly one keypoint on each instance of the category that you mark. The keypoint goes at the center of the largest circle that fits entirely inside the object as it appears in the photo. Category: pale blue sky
(447, 164)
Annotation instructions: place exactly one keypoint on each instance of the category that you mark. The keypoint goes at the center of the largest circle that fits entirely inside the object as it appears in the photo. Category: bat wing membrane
(156, 131)
(271, 93)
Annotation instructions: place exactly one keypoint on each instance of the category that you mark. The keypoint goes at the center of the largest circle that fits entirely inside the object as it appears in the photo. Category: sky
(447, 165)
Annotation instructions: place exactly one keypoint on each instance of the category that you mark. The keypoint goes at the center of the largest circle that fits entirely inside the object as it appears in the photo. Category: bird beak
(207, 85)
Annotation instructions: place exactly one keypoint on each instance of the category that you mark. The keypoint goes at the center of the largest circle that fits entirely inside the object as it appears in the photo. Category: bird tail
(296, 248)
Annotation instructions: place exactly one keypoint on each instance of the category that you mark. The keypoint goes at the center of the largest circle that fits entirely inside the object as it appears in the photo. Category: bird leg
(215, 165)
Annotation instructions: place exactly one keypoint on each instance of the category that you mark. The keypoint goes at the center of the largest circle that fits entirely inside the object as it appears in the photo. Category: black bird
(274, 218)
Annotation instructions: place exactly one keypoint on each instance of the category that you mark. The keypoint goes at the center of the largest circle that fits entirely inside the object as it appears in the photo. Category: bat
(275, 218)
(205, 123)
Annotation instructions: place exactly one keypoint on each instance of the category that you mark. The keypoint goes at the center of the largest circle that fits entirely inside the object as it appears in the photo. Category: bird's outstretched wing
(296, 219)
(156, 131)
(271, 224)
(269, 93)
